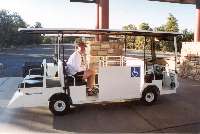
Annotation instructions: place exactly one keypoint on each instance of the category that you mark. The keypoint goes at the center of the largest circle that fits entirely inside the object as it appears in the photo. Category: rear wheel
(59, 106)
(149, 96)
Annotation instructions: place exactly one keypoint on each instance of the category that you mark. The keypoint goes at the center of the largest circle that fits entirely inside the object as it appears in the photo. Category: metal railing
(104, 61)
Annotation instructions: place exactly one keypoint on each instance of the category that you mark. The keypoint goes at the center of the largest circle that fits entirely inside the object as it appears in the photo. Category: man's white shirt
(75, 63)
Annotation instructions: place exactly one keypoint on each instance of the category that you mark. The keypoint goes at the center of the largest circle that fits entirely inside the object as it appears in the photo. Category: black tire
(149, 96)
(59, 107)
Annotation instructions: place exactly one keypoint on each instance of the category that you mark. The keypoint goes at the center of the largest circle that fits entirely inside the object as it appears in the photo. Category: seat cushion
(31, 83)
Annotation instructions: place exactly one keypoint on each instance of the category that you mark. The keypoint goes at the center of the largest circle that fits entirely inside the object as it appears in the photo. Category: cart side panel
(35, 98)
(78, 94)
(117, 83)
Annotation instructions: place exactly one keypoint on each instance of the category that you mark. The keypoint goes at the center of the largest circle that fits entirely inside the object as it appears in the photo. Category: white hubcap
(59, 106)
(149, 97)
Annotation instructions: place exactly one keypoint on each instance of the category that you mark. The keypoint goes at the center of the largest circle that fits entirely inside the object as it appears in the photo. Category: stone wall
(105, 48)
(190, 60)
(97, 51)
(190, 48)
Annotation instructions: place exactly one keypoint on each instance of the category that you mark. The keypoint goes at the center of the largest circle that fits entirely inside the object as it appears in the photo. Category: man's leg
(90, 76)
(91, 80)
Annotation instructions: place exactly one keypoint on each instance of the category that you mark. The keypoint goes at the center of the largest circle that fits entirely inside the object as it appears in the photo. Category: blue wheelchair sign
(135, 71)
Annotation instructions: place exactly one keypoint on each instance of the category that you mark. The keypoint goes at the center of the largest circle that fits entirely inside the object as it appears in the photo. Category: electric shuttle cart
(132, 79)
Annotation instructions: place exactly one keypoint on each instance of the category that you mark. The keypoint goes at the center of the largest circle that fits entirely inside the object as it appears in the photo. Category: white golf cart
(132, 79)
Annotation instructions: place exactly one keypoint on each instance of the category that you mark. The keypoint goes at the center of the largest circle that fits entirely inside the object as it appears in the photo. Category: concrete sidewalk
(8, 85)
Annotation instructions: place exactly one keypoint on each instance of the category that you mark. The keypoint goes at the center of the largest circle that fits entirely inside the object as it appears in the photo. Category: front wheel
(149, 97)
(59, 107)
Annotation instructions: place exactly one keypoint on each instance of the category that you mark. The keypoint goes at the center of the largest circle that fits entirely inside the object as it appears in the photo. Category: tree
(160, 28)
(130, 39)
(188, 36)
(47, 40)
(69, 39)
(38, 25)
(36, 38)
(9, 24)
(9, 35)
(144, 26)
(130, 27)
(140, 41)
(172, 24)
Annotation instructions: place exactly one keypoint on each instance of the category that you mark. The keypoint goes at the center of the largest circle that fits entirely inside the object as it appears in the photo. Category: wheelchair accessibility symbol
(135, 71)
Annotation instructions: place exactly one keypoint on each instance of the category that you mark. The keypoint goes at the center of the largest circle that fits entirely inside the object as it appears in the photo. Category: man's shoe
(95, 90)
(90, 93)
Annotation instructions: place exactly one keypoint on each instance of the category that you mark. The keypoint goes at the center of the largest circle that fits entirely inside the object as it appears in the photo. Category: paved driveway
(172, 113)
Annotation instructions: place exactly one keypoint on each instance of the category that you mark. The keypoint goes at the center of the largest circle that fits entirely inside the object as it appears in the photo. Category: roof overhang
(178, 1)
(84, 1)
(75, 31)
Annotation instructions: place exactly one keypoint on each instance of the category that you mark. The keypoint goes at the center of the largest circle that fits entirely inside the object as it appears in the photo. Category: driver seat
(73, 80)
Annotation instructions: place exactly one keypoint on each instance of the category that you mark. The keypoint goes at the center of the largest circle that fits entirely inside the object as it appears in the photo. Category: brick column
(197, 28)
(103, 16)
(97, 50)
(97, 25)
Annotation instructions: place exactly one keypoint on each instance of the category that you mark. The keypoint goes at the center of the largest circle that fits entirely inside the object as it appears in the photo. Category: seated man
(77, 66)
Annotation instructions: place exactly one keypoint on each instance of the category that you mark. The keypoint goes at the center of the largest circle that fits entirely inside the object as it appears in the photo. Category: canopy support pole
(175, 46)
(145, 43)
(63, 48)
(125, 44)
(58, 47)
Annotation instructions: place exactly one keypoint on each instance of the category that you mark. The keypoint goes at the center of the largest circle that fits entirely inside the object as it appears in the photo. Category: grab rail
(105, 61)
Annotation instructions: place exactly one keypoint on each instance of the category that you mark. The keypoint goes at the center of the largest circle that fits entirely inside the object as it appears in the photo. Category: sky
(63, 14)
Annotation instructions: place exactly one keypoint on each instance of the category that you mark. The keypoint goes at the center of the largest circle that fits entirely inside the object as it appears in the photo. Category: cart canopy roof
(97, 32)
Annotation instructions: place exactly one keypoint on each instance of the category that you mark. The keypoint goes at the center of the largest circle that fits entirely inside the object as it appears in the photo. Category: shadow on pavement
(113, 118)
(26, 120)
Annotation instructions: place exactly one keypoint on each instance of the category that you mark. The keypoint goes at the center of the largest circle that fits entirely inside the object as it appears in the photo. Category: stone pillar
(104, 14)
(97, 50)
(103, 17)
(197, 28)
(97, 25)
